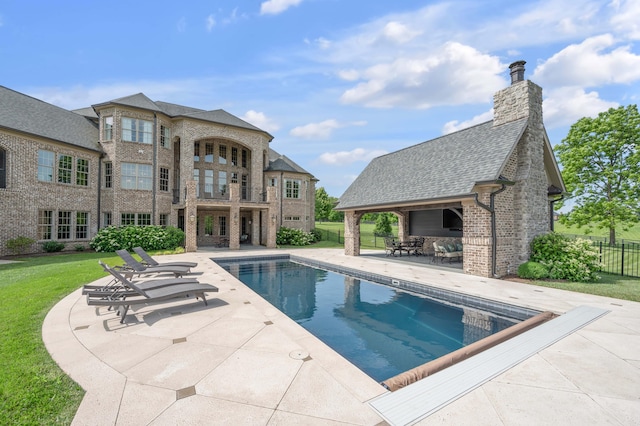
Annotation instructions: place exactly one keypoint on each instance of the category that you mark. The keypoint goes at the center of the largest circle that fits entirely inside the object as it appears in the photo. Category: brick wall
(25, 195)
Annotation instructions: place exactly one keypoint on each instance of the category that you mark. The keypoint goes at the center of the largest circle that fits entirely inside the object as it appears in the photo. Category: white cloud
(454, 126)
(626, 17)
(211, 22)
(320, 130)
(349, 75)
(399, 33)
(260, 120)
(274, 7)
(566, 105)
(348, 157)
(593, 62)
(456, 74)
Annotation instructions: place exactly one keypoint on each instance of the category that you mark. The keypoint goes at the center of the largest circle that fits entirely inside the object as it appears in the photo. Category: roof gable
(29, 115)
(282, 163)
(222, 117)
(139, 100)
(445, 167)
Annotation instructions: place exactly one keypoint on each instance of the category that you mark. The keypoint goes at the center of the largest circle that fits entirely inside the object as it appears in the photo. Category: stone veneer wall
(522, 209)
(25, 195)
(527, 212)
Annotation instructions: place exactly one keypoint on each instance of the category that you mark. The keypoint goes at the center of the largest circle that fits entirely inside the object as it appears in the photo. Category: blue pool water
(381, 330)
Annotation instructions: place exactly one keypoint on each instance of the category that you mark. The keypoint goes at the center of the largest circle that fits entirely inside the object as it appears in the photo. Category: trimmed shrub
(533, 271)
(19, 245)
(151, 237)
(567, 259)
(317, 235)
(293, 237)
(52, 246)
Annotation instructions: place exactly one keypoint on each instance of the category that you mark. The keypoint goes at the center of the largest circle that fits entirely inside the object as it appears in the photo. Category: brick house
(490, 187)
(131, 161)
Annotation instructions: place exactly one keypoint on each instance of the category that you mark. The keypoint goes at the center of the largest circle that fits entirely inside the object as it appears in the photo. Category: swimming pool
(382, 330)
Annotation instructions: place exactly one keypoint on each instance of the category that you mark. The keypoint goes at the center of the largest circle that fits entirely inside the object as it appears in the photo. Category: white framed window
(163, 219)
(136, 176)
(108, 174)
(196, 152)
(208, 183)
(106, 219)
(140, 219)
(64, 225)
(222, 226)
(46, 160)
(82, 172)
(292, 218)
(222, 182)
(127, 219)
(107, 133)
(45, 224)
(136, 130)
(165, 136)
(292, 188)
(65, 168)
(234, 156)
(164, 179)
(208, 153)
(82, 225)
(222, 154)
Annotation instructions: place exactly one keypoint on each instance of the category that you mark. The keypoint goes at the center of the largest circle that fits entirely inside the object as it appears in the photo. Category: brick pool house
(490, 187)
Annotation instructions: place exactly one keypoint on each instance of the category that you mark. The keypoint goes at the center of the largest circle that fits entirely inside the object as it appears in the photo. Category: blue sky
(336, 82)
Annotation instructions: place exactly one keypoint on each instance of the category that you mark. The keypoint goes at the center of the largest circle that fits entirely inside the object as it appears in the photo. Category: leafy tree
(324, 204)
(383, 224)
(336, 216)
(601, 170)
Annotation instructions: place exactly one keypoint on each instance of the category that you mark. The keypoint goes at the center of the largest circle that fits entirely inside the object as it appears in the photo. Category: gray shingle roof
(219, 116)
(223, 117)
(29, 115)
(445, 167)
(174, 110)
(282, 163)
(139, 100)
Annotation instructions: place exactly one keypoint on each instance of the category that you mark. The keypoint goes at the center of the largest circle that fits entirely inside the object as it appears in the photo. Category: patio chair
(132, 267)
(390, 246)
(135, 295)
(120, 285)
(147, 260)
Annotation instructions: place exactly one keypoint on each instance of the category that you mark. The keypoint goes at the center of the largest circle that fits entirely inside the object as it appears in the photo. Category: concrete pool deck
(240, 361)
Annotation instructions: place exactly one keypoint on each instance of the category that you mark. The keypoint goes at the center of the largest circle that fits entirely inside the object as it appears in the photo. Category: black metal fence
(621, 258)
(368, 240)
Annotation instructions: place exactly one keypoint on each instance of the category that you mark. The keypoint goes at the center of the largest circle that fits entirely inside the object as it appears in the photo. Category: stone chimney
(522, 99)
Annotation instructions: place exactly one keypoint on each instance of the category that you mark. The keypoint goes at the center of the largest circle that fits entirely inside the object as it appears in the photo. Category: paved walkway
(239, 361)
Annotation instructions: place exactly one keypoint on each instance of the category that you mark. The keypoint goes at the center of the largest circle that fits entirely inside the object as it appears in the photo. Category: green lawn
(632, 234)
(34, 389)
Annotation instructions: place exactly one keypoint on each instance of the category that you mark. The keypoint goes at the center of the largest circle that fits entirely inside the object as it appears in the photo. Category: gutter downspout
(154, 172)
(494, 238)
(551, 221)
(99, 206)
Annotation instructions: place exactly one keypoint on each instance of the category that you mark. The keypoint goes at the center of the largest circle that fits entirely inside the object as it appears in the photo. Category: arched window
(3, 168)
